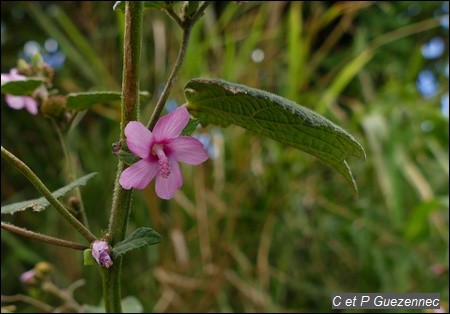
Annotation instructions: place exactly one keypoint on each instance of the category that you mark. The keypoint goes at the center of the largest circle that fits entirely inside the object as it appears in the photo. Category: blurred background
(259, 227)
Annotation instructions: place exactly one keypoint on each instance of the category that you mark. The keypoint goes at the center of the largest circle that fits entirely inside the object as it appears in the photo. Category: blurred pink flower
(18, 102)
(27, 276)
(161, 150)
(101, 253)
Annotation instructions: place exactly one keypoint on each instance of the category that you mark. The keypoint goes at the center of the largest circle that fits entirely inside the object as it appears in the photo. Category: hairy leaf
(220, 102)
(139, 238)
(85, 100)
(190, 127)
(41, 203)
(21, 88)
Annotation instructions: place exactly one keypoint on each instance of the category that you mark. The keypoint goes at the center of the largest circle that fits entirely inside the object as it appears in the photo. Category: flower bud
(28, 277)
(55, 107)
(43, 269)
(101, 252)
(23, 67)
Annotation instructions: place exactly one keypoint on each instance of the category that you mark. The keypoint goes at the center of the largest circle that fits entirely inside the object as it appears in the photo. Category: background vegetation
(260, 226)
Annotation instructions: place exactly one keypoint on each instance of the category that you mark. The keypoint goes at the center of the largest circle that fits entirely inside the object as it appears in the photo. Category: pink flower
(101, 253)
(27, 276)
(161, 150)
(18, 102)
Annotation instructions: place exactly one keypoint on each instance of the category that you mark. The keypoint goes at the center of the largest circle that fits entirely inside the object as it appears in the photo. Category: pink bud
(101, 253)
(27, 276)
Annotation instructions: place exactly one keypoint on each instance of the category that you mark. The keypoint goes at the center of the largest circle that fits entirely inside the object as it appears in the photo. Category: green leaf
(88, 259)
(41, 203)
(85, 100)
(131, 304)
(120, 5)
(220, 102)
(21, 88)
(139, 238)
(121, 150)
(190, 127)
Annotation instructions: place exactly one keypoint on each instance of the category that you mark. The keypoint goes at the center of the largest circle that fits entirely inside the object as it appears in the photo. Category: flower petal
(139, 138)
(171, 125)
(101, 253)
(138, 175)
(31, 105)
(166, 187)
(188, 149)
(15, 76)
(15, 102)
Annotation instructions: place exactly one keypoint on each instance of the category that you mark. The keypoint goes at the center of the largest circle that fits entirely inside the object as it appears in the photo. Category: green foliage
(25, 87)
(41, 203)
(88, 259)
(190, 127)
(221, 102)
(138, 239)
(85, 100)
(130, 304)
(261, 227)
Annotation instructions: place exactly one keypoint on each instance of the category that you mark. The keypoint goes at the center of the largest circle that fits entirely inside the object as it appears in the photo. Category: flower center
(163, 161)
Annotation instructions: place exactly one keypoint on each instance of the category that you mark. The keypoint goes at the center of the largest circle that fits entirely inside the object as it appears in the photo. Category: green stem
(186, 23)
(130, 107)
(176, 68)
(71, 168)
(41, 237)
(33, 178)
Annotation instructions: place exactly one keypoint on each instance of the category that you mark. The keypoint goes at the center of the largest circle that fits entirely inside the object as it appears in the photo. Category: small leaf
(131, 304)
(120, 5)
(220, 102)
(21, 88)
(88, 259)
(124, 154)
(41, 203)
(87, 308)
(85, 100)
(190, 127)
(139, 238)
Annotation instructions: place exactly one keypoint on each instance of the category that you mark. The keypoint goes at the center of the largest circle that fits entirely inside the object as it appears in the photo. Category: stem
(130, 107)
(186, 24)
(64, 295)
(41, 237)
(33, 178)
(44, 307)
(71, 169)
(176, 68)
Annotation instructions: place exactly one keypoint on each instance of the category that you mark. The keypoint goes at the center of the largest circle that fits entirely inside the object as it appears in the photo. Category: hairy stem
(186, 23)
(33, 178)
(130, 107)
(176, 68)
(41, 237)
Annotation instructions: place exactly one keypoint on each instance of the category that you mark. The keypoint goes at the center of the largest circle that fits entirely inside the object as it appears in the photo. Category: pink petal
(101, 253)
(188, 149)
(31, 105)
(5, 78)
(139, 138)
(15, 102)
(171, 125)
(15, 76)
(166, 187)
(138, 175)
